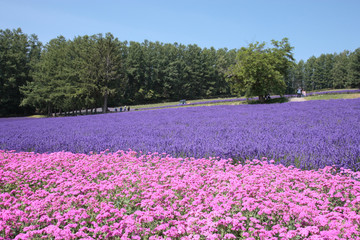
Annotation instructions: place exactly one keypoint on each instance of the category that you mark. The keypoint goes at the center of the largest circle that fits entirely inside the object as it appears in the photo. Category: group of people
(301, 92)
(123, 109)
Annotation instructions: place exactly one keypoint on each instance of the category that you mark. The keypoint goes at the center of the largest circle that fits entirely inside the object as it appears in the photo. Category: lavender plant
(308, 135)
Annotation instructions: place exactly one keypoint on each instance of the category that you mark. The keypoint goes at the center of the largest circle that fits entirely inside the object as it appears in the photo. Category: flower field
(184, 174)
(124, 195)
(310, 135)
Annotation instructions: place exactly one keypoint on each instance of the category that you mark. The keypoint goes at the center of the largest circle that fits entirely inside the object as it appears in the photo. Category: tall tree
(135, 66)
(107, 59)
(309, 73)
(340, 71)
(193, 74)
(174, 71)
(224, 59)
(259, 71)
(50, 87)
(354, 80)
(18, 54)
(82, 50)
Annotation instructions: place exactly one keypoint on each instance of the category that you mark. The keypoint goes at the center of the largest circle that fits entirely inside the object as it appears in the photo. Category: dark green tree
(340, 71)
(18, 54)
(82, 50)
(322, 71)
(309, 73)
(192, 75)
(50, 88)
(135, 65)
(224, 59)
(354, 69)
(107, 63)
(173, 65)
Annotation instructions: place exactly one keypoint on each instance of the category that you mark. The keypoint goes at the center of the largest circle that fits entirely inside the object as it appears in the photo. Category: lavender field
(308, 135)
(116, 194)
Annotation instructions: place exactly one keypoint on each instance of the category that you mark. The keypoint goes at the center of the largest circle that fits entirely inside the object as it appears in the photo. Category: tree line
(87, 72)
(328, 71)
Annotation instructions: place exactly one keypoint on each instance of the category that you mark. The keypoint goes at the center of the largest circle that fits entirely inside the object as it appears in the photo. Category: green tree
(80, 52)
(322, 77)
(192, 75)
(135, 66)
(340, 71)
(296, 77)
(309, 69)
(174, 71)
(50, 88)
(106, 66)
(354, 80)
(18, 54)
(224, 59)
(259, 71)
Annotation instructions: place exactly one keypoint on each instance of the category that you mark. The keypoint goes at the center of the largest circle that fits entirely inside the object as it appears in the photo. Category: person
(299, 92)
(267, 97)
(128, 109)
(125, 109)
(303, 93)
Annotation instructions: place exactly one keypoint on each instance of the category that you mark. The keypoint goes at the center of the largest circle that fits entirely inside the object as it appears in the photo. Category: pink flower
(229, 236)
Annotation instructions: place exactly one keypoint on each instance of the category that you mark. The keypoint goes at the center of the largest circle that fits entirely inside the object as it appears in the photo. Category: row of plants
(310, 135)
(127, 195)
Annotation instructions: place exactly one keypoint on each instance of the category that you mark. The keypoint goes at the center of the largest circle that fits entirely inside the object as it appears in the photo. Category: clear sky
(312, 26)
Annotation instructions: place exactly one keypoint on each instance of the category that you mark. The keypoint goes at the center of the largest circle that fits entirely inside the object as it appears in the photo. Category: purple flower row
(309, 135)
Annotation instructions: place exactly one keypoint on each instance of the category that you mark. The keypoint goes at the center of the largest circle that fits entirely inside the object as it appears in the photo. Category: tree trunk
(49, 111)
(261, 98)
(105, 102)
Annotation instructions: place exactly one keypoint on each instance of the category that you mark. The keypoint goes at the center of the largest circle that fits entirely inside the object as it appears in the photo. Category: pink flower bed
(125, 195)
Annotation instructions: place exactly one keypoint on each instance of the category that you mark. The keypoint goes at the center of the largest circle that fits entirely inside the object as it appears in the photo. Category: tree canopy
(88, 72)
(18, 56)
(260, 71)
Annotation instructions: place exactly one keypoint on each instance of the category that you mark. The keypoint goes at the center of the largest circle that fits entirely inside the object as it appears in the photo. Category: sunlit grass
(334, 96)
(168, 104)
(37, 116)
(331, 90)
(281, 100)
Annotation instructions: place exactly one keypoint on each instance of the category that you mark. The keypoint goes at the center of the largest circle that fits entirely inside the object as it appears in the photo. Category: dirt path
(297, 99)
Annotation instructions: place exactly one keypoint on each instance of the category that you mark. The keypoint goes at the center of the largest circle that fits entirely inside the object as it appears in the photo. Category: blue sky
(312, 26)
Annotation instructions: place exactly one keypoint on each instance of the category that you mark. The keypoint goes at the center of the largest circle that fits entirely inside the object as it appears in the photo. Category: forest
(87, 72)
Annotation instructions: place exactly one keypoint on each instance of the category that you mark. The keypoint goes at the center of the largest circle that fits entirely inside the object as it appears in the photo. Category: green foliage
(260, 71)
(106, 65)
(51, 86)
(340, 71)
(332, 71)
(333, 96)
(354, 72)
(274, 100)
(99, 70)
(75, 74)
(18, 54)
